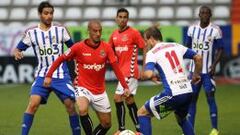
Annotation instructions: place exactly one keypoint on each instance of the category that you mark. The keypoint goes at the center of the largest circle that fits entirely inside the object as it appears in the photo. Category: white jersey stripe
(47, 46)
(203, 43)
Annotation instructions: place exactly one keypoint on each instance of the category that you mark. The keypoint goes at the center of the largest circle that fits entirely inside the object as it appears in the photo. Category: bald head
(95, 30)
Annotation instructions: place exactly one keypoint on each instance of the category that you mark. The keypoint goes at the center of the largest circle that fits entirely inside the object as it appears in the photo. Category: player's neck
(204, 25)
(92, 44)
(121, 29)
(44, 27)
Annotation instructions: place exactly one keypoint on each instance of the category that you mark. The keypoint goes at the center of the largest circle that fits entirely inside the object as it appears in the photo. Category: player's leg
(39, 94)
(209, 87)
(105, 123)
(131, 104)
(120, 108)
(157, 106)
(101, 105)
(83, 99)
(145, 121)
(65, 93)
(181, 106)
(132, 107)
(193, 106)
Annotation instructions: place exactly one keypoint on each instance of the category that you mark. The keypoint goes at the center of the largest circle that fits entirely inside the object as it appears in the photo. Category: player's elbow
(147, 74)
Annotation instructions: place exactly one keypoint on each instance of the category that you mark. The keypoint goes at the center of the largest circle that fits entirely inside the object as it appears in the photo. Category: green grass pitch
(51, 119)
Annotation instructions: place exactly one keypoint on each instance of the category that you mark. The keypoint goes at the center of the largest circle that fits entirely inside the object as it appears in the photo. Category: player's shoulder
(31, 28)
(59, 25)
(134, 30)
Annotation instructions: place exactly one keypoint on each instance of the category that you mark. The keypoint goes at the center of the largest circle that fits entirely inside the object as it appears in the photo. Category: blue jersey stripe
(204, 34)
(199, 31)
(56, 32)
(41, 60)
(50, 40)
(207, 61)
(46, 58)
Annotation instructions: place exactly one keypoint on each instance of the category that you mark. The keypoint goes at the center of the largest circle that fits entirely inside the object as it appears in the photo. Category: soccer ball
(127, 132)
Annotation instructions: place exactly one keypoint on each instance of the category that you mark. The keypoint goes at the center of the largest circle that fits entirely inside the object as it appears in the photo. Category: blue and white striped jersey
(167, 58)
(204, 41)
(47, 46)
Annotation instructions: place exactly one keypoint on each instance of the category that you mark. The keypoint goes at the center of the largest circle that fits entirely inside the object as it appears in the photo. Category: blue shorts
(61, 87)
(207, 82)
(163, 104)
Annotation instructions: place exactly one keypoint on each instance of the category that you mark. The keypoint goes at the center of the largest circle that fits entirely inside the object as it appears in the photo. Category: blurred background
(173, 16)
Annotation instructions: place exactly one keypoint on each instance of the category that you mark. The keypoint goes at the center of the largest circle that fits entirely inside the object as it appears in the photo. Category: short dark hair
(153, 32)
(122, 10)
(44, 4)
(206, 7)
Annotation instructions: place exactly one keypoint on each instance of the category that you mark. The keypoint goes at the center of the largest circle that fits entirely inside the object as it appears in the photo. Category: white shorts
(132, 84)
(98, 102)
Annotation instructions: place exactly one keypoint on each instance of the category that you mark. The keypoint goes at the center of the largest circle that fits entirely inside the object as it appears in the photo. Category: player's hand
(18, 54)
(47, 82)
(196, 78)
(126, 93)
(156, 79)
(212, 70)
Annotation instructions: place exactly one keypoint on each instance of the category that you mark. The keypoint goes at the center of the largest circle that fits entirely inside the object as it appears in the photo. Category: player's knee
(210, 94)
(32, 107)
(70, 107)
(106, 124)
(129, 100)
(117, 98)
(142, 111)
(83, 111)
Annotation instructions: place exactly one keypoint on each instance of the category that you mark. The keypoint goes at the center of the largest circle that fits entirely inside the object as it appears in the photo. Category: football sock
(100, 130)
(192, 113)
(186, 127)
(27, 123)
(133, 113)
(74, 123)
(145, 125)
(120, 115)
(86, 124)
(213, 111)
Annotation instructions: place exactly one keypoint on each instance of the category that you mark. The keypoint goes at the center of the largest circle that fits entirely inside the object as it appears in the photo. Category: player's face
(122, 19)
(46, 16)
(205, 15)
(95, 32)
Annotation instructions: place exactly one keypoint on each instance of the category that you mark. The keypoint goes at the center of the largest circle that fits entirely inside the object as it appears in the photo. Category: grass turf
(51, 119)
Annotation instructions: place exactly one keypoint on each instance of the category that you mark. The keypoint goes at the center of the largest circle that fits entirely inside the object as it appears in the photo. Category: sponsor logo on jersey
(120, 49)
(96, 67)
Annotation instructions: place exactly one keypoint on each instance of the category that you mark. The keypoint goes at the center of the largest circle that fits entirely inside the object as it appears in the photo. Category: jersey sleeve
(110, 53)
(150, 61)
(110, 41)
(25, 42)
(67, 38)
(71, 52)
(186, 52)
(139, 40)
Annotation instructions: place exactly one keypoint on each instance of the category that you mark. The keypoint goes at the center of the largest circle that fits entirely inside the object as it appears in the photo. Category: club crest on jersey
(209, 38)
(124, 37)
(102, 53)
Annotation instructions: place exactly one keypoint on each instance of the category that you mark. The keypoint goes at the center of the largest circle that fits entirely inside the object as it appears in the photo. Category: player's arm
(53, 67)
(120, 77)
(218, 56)
(148, 71)
(68, 55)
(198, 68)
(22, 46)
